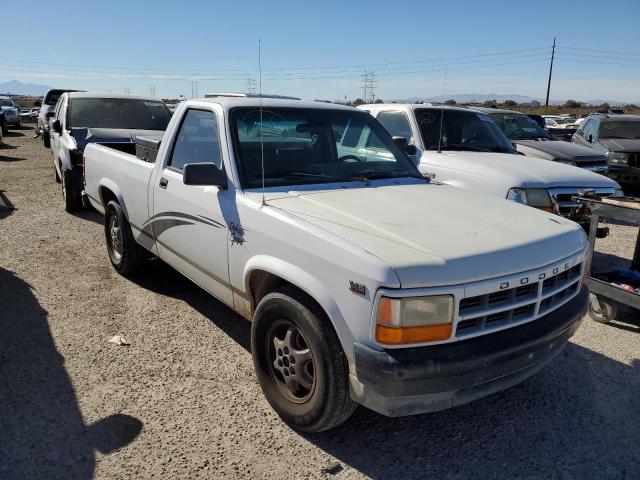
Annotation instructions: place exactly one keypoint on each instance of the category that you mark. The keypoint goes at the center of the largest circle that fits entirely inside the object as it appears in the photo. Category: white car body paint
(398, 235)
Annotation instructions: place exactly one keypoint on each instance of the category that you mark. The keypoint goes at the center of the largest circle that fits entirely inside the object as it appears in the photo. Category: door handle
(163, 183)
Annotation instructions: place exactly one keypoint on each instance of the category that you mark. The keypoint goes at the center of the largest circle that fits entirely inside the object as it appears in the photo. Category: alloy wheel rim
(115, 237)
(290, 361)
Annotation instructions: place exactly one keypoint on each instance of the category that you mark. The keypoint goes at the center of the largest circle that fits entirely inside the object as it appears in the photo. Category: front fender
(309, 284)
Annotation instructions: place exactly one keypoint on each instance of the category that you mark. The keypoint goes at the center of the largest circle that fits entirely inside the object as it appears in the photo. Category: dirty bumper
(426, 379)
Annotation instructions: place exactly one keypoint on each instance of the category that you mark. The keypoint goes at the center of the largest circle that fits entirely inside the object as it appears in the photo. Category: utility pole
(251, 86)
(152, 90)
(553, 52)
(194, 89)
(368, 87)
(127, 91)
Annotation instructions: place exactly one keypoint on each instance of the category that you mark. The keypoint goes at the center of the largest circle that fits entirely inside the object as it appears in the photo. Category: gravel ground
(182, 400)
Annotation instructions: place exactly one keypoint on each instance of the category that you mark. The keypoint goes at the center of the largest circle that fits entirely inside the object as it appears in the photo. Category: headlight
(618, 158)
(534, 197)
(414, 319)
(517, 195)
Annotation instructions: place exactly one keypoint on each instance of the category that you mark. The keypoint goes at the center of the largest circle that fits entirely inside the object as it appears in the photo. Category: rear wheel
(299, 362)
(125, 254)
(72, 202)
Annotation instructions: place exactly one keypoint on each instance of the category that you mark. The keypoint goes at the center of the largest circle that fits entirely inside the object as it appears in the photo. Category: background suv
(618, 137)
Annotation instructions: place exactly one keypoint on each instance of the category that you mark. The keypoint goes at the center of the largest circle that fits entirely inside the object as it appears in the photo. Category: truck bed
(110, 171)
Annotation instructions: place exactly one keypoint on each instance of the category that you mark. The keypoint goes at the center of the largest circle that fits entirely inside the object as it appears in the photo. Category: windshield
(6, 103)
(619, 129)
(309, 146)
(118, 113)
(461, 130)
(518, 127)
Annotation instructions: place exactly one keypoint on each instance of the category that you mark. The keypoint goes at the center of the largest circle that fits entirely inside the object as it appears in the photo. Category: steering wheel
(344, 158)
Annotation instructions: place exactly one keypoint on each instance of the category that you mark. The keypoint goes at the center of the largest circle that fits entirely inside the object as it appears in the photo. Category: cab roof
(110, 95)
(231, 102)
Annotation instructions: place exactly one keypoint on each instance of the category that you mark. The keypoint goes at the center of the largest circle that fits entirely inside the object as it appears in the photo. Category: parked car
(10, 110)
(46, 112)
(82, 118)
(533, 141)
(618, 137)
(3, 122)
(365, 282)
(29, 114)
(465, 148)
(557, 121)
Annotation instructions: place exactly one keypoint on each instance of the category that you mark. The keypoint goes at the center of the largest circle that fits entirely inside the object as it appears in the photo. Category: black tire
(125, 254)
(326, 402)
(608, 311)
(46, 140)
(72, 202)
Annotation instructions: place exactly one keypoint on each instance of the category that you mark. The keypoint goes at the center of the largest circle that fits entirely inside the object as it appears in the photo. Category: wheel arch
(108, 191)
(263, 274)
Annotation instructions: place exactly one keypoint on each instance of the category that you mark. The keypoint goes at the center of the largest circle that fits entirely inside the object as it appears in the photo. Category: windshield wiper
(290, 175)
(370, 175)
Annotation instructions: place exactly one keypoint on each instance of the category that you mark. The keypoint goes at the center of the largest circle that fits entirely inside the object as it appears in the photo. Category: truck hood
(563, 151)
(85, 136)
(434, 234)
(519, 170)
(621, 144)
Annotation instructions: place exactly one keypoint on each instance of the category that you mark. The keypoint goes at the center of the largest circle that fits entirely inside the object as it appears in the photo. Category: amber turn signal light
(404, 335)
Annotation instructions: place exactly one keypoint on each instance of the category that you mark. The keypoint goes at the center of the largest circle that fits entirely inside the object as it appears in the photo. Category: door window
(197, 140)
(397, 124)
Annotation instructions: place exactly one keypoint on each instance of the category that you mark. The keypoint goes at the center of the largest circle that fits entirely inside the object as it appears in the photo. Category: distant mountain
(500, 98)
(18, 88)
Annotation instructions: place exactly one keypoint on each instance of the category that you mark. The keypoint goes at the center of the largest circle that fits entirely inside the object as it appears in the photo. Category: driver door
(187, 220)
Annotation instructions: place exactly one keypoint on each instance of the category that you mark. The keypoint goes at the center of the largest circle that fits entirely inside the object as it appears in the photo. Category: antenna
(260, 102)
(444, 92)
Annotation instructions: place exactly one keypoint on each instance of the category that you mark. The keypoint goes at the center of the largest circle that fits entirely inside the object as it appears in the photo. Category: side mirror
(403, 145)
(57, 127)
(204, 174)
(590, 138)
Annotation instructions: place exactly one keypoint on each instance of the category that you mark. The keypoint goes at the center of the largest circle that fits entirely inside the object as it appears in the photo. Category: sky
(321, 49)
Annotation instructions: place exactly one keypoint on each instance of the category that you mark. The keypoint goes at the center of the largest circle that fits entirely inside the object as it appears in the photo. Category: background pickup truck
(365, 282)
(474, 154)
(82, 118)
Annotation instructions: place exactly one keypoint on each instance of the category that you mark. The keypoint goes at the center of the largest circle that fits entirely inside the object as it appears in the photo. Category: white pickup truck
(465, 148)
(365, 282)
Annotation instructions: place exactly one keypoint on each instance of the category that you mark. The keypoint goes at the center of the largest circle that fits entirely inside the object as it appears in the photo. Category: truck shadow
(42, 432)
(578, 418)
(160, 278)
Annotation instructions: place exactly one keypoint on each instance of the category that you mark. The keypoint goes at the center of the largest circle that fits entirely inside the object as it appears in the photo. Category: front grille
(563, 197)
(516, 305)
(634, 160)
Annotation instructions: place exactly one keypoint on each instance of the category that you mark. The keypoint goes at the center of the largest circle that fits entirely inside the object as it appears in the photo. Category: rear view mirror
(404, 145)
(204, 174)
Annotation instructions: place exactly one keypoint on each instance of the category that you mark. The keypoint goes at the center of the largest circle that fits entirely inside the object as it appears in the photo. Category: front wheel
(299, 362)
(125, 254)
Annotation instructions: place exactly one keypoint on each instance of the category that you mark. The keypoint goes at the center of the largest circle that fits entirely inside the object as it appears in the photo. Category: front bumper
(426, 379)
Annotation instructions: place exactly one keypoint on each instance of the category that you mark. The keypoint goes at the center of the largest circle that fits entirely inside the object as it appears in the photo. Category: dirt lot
(182, 400)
